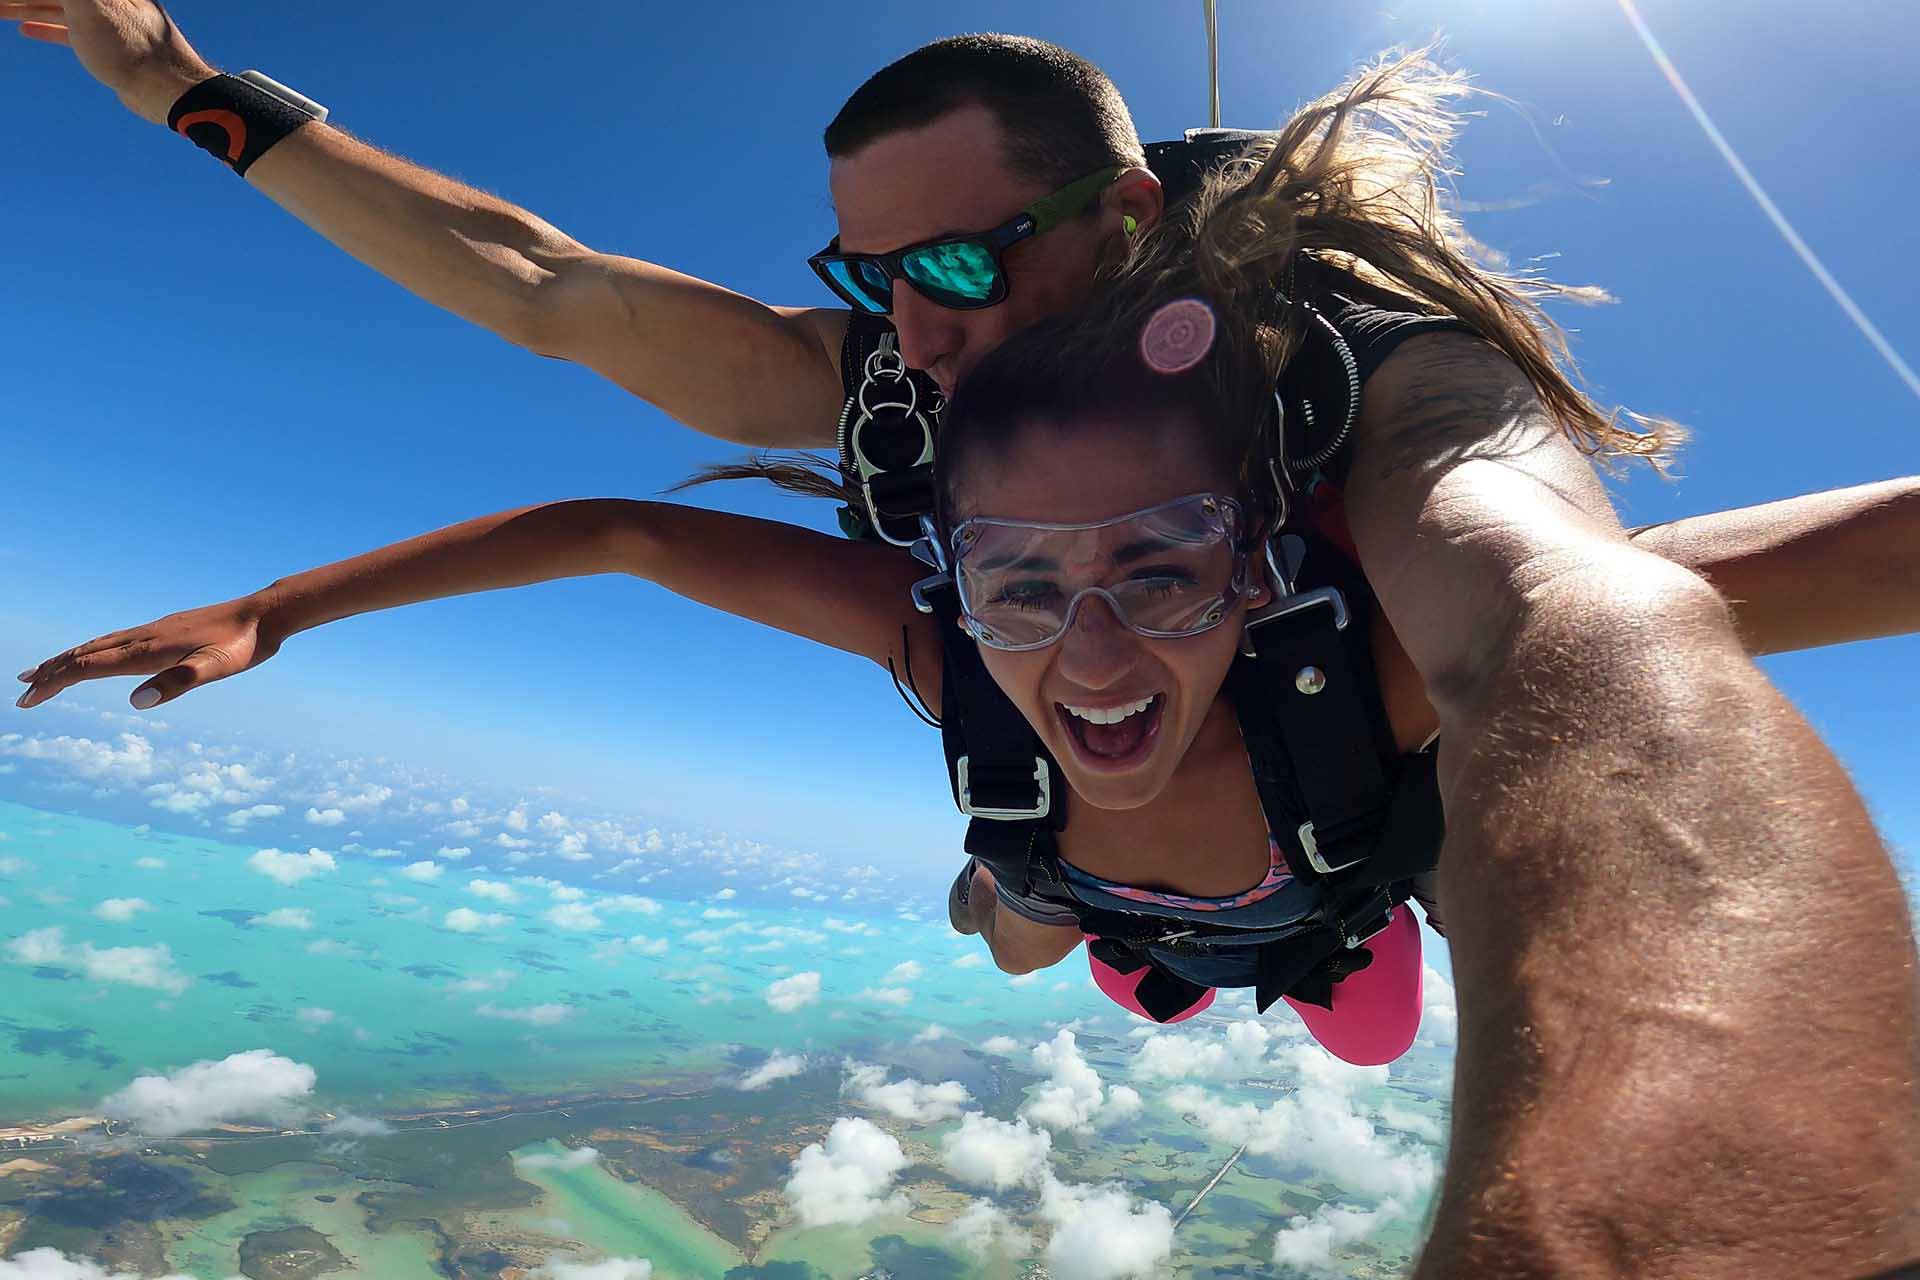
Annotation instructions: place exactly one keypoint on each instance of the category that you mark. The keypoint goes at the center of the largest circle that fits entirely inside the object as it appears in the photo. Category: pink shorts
(1375, 1014)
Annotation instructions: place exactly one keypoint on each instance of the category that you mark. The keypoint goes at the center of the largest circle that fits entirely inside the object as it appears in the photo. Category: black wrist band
(235, 119)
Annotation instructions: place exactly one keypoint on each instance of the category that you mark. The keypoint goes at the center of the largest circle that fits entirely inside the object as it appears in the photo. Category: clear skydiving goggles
(1168, 571)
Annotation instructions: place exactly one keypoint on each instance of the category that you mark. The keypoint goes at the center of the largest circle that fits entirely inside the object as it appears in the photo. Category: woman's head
(1103, 520)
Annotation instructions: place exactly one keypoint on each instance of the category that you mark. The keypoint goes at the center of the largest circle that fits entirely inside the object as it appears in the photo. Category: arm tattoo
(1460, 398)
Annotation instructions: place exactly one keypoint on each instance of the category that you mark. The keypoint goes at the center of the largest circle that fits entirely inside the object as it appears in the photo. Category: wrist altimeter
(238, 119)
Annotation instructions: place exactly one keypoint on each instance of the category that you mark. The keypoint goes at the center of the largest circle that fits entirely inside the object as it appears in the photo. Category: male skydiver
(1629, 1023)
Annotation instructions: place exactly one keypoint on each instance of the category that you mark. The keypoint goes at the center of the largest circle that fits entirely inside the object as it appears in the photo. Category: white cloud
(455, 853)
(1238, 1052)
(540, 1015)
(149, 967)
(899, 997)
(351, 1126)
(325, 817)
(628, 902)
(47, 1263)
(1073, 1097)
(933, 1031)
(239, 818)
(911, 1100)
(467, 920)
(130, 761)
(985, 1152)
(1320, 1130)
(605, 1269)
(1103, 1233)
(983, 1230)
(120, 910)
(1000, 1046)
(781, 1066)
(494, 889)
(725, 895)
(1411, 1122)
(573, 916)
(315, 1017)
(848, 1178)
(1307, 1244)
(498, 980)
(788, 994)
(287, 918)
(150, 864)
(257, 1084)
(1439, 1019)
(971, 960)
(571, 1158)
(291, 868)
(905, 971)
(424, 872)
(516, 820)
(639, 944)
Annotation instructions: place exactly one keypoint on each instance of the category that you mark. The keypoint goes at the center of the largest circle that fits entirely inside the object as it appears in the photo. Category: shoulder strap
(1002, 775)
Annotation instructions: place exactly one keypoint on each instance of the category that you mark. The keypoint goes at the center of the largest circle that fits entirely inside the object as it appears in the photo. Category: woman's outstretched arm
(1820, 569)
(852, 596)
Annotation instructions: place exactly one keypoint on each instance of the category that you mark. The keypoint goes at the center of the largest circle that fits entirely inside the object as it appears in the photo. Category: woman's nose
(1097, 650)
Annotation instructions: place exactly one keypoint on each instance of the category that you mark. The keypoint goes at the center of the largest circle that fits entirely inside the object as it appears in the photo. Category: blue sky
(200, 395)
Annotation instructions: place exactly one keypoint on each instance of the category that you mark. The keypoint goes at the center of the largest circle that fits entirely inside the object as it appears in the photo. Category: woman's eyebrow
(994, 563)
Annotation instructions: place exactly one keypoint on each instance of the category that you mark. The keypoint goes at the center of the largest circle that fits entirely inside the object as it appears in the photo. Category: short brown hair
(1060, 115)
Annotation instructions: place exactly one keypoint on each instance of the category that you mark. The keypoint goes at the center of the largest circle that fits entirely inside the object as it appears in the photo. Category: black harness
(1352, 816)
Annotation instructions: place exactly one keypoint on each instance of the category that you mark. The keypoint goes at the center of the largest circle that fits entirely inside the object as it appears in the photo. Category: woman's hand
(186, 649)
(130, 46)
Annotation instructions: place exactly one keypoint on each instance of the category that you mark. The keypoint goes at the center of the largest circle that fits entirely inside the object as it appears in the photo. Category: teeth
(1108, 715)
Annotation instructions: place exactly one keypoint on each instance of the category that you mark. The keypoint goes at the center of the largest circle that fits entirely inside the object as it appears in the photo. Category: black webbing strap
(980, 725)
(904, 494)
(1305, 718)
(1163, 995)
(1307, 965)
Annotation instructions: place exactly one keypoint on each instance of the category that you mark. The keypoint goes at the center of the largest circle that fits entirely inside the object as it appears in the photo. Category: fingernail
(27, 674)
(21, 701)
(145, 698)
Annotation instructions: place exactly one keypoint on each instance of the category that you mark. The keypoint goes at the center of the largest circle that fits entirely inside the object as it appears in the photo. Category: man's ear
(1136, 194)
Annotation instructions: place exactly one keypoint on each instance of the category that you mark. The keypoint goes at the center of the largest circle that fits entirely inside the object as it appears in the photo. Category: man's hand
(130, 46)
(187, 650)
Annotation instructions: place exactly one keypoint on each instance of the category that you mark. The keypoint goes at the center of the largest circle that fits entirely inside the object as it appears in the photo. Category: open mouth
(1113, 738)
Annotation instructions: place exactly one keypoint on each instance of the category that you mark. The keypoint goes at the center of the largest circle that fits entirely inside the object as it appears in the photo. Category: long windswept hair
(1356, 180)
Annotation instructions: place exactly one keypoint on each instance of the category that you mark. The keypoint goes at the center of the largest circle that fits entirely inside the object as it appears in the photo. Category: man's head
(958, 137)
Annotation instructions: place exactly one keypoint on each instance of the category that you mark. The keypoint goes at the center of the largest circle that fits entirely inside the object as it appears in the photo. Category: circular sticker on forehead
(1177, 336)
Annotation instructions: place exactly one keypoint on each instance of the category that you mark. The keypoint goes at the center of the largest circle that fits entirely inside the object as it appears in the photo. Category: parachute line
(1213, 63)
(1867, 328)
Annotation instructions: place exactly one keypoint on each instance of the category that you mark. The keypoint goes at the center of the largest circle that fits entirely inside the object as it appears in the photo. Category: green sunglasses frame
(1038, 218)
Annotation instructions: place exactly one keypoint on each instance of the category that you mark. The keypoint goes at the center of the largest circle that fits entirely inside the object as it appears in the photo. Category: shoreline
(66, 1134)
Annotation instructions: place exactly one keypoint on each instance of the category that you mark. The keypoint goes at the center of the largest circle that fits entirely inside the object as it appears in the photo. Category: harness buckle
(1350, 941)
(931, 583)
(1314, 860)
(1042, 777)
(1288, 605)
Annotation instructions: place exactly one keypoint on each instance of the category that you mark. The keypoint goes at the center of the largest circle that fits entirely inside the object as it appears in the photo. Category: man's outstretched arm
(720, 362)
(1686, 974)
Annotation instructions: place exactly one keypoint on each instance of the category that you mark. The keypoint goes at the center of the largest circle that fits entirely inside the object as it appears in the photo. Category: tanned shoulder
(1443, 398)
